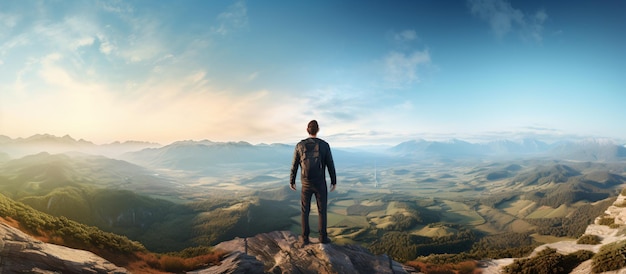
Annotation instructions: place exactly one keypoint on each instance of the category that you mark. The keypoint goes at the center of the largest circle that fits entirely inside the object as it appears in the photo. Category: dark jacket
(326, 159)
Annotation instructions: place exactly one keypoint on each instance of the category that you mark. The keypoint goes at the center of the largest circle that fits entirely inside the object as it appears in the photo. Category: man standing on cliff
(313, 156)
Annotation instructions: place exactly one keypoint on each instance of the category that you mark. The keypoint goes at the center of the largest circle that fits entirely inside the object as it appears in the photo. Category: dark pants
(321, 195)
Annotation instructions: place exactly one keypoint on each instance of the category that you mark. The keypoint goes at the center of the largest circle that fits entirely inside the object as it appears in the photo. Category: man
(313, 156)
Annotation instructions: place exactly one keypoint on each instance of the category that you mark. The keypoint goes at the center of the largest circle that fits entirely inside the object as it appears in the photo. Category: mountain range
(195, 155)
(19, 147)
(580, 150)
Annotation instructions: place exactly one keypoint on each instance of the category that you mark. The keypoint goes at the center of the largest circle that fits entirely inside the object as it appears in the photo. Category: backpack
(311, 161)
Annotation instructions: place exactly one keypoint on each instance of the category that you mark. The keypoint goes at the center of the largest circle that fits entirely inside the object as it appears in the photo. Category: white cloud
(252, 76)
(15, 42)
(535, 26)
(19, 85)
(405, 35)
(67, 35)
(236, 17)
(162, 108)
(196, 81)
(503, 18)
(117, 6)
(81, 42)
(8, 20)
(145, 42)
(106, 47)
(54, 74)
(499, 13)
(405, 106)
(402, 69)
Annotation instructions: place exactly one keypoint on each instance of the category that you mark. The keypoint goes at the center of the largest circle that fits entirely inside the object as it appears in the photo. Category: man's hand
(292, 186)
(332, 187)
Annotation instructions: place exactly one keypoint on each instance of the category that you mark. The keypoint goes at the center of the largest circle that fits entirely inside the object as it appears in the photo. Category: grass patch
(468, 267)
(605, 220)
(548, 261)
(517, 207)
(588, 239)
(610, 257)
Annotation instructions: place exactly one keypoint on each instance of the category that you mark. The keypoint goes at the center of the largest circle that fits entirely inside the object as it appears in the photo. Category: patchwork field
(366, 204)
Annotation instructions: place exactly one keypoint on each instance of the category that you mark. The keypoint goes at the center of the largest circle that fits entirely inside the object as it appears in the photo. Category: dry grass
(158, 263)
(10, 221)
(468, 267)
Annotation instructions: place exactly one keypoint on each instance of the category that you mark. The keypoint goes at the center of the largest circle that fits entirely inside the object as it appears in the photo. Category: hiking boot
(325, 240)
(304, 241)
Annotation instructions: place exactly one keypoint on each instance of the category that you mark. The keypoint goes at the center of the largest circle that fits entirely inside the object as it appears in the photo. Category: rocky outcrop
(280, 252)
(20, 253)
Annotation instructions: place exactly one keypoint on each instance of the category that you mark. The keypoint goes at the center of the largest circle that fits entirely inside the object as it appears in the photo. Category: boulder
(21, 253)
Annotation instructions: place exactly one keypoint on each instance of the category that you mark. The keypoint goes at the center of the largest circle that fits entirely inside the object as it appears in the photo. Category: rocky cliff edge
(280, 252)
(20, 253)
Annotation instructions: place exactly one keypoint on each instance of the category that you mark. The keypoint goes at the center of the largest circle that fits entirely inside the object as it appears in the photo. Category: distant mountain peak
(598, 141)
(49, 138)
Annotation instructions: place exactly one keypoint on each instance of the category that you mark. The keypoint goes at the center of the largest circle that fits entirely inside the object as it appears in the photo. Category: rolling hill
(115, 196)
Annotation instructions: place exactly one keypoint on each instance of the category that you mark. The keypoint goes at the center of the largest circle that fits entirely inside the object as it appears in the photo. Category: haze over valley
(191, 193)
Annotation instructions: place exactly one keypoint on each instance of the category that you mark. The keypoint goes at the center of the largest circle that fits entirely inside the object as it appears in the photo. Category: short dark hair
(312, 128)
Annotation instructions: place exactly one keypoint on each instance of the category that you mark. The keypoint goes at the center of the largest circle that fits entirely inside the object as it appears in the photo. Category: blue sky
(371, 72)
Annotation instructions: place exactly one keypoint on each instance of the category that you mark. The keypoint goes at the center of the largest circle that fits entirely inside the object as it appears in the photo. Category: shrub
(467, 267)
(610, 257)
(176, 262)
(588, 239)
(606, 221)
(548, 261)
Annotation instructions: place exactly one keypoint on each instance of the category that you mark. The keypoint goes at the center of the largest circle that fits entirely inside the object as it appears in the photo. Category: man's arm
(330, 164)
(294, 168)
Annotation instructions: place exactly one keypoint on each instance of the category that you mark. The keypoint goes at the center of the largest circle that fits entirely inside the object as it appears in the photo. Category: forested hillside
(115, 248)
(96, 191)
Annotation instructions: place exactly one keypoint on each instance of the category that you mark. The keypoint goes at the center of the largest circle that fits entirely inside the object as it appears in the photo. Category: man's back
(313, 156)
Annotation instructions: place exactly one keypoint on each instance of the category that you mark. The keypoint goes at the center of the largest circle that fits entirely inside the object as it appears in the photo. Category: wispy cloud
(161, 108)
(402, 66)
(105, 46)
(405, 35)
(8, 20)
(14, 42)
(252, 76)
(503, 18)
(145, 42)
(534, 28)
(235, 18)
(116, 6)
(402, 69)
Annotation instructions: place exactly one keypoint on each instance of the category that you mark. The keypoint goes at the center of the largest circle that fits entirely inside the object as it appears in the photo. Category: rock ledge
(280, 252)
(21, 253)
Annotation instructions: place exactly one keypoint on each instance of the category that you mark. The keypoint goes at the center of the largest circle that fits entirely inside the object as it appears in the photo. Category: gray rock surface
(280, 252)
(21, 253)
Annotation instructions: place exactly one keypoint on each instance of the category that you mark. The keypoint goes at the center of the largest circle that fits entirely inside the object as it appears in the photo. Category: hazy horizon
(370, 72)
(475, 140)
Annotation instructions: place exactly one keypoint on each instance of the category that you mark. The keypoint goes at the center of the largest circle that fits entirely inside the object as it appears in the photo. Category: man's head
(312, 128)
